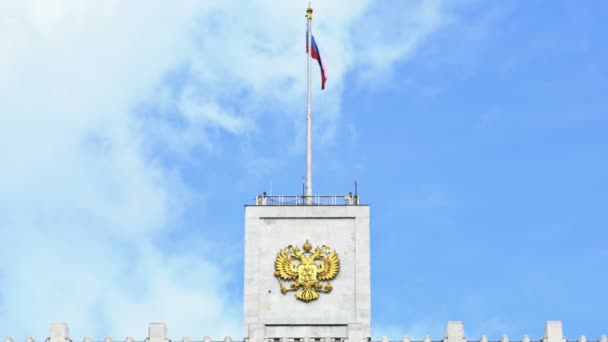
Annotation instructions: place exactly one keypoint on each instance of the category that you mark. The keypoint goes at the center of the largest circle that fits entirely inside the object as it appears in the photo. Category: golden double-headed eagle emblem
(313, 268)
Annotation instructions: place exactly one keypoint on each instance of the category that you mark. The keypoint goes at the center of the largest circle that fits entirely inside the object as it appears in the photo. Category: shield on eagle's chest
(307, 273)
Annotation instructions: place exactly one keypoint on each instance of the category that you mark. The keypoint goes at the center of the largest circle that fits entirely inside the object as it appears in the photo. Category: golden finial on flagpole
(309, 12)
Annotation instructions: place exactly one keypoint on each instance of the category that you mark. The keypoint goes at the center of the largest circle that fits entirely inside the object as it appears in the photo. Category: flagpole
(308, 193)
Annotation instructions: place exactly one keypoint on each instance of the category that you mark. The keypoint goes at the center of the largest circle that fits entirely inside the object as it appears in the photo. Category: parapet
(454, 332)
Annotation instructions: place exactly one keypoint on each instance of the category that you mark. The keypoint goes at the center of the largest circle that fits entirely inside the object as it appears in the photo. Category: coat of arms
(307, 273)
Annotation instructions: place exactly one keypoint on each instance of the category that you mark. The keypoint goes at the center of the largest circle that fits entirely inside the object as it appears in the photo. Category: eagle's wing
(285, 268)
(329, 267)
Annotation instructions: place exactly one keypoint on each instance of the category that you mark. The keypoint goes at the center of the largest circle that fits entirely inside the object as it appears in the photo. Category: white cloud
(82, 203)
(206, 113)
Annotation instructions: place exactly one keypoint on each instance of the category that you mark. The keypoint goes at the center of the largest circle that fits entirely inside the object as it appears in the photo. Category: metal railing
(265, 199)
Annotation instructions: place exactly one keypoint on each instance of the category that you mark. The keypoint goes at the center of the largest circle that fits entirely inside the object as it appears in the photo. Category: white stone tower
(307, 262)
(343, 312)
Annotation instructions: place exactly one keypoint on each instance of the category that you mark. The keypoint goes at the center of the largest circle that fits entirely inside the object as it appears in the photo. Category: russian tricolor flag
(317, 55)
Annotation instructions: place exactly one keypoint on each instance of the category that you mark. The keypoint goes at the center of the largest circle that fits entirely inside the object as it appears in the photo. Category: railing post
(355, 333)
(157, 332)
(553, 332)
(454, 332)
(59, 332)
(256, 332)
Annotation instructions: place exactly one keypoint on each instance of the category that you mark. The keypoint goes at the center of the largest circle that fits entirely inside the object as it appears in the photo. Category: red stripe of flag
(317, 55)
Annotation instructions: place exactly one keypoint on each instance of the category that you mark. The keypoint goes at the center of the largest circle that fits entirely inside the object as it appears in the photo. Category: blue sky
(132, 134)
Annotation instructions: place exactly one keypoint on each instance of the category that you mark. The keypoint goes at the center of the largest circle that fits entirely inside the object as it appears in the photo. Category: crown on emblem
(307, 246)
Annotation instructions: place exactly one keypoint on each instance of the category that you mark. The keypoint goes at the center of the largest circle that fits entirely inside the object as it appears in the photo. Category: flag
(317, 55)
